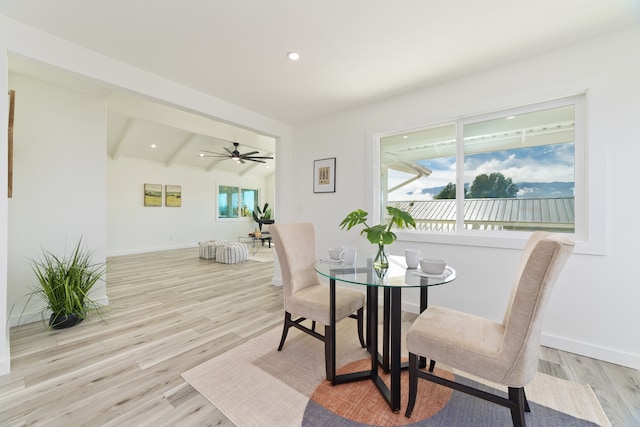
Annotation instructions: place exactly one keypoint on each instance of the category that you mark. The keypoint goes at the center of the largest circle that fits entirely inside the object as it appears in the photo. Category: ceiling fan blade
(228, 151)
(241, 160)
(249, 154)
(212, 152)
(254, 160)
(258, 157)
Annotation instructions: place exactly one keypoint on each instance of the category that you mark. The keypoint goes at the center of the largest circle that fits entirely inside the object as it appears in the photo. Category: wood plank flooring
(170, 311)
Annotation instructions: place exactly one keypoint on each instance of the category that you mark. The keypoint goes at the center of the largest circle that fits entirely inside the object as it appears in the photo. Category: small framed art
(153, 194)
(173, 196)
(324, 175)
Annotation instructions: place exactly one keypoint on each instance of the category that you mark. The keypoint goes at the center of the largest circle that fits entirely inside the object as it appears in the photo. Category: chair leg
(516, 402)
(285, 329)
(516, 395)
(361, 327)
(413, 384)
(313, 325)
(432, 365)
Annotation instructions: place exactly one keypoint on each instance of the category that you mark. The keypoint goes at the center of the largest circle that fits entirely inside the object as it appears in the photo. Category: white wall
(59, 182)
(134, 228)
(594, 308)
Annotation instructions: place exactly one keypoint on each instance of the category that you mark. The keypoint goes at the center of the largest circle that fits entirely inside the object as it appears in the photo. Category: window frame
(589, 234)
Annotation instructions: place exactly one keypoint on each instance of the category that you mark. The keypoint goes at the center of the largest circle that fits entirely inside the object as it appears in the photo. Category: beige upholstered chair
(503, 352)
(305, 297)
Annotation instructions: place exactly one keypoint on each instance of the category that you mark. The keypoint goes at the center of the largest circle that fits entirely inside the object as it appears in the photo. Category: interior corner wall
(134, 228)
(593, 310)
(5, 353)
(59, 182)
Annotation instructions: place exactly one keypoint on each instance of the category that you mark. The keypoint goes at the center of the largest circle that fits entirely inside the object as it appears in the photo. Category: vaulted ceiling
(353, 52)
(146, 130)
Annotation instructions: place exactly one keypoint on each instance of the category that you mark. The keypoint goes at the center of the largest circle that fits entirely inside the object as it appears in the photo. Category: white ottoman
(208, 248)
(232, 253)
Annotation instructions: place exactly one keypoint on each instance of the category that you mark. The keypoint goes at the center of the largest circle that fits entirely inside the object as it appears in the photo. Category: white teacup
(348, 255)
(412, 257)
(335, 253)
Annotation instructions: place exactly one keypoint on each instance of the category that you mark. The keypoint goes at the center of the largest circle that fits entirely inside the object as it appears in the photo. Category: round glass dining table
(392, 281)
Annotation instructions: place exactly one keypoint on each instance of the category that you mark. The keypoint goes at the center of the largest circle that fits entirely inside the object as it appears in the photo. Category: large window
(236, 202)
(515, 170)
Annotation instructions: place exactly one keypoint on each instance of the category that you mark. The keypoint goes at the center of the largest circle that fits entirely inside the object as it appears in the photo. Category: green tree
(493, 186)
(448, 192)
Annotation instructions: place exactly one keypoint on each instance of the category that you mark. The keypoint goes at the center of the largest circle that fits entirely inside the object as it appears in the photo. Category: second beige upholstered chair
(305, 297)
(503, 352)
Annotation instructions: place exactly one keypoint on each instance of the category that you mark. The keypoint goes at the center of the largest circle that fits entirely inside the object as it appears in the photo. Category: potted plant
(380, 234)
(65, 284)
(262, 216)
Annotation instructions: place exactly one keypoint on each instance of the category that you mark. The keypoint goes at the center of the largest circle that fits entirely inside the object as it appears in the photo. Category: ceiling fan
(236, 155)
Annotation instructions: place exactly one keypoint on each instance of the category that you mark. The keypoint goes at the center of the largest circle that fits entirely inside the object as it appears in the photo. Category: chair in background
(305, 297)
(505, 353)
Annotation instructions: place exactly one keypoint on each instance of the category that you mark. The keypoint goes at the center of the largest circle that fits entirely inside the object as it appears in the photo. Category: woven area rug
(255, 385)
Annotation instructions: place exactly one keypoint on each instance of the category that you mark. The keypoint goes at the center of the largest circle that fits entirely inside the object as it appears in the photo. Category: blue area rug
(461, 410)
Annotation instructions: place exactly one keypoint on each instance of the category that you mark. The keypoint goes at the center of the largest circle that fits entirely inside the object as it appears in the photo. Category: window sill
(515, 240)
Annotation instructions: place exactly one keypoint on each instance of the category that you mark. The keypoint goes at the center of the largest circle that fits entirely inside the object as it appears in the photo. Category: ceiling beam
(124, 138)
(180, 149)
(142, 109)
(213, 164)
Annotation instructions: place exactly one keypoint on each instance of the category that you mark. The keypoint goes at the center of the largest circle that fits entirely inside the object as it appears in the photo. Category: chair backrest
(296, 248)
(542, 260)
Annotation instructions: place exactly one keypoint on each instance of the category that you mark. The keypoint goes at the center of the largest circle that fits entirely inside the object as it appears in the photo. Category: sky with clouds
(549, 163)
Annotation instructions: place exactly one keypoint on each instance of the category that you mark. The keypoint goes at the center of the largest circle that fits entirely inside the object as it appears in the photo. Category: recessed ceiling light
(405, 137)
(153, 145)
(511, 117)
(294, 56)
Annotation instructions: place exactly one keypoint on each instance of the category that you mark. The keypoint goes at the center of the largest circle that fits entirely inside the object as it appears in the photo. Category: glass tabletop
(397, 275)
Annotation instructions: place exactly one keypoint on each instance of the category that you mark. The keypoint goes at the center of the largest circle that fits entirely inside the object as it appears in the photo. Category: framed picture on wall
(12, 100)
(324, 175)
(153, 194)
(172, 196)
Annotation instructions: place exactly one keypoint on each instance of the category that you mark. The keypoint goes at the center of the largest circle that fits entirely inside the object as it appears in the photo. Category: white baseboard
(590, 350)
(566, 344)
(156, 249)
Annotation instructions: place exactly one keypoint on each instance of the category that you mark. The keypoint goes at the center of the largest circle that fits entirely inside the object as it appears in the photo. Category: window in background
(228, 201)
(236, 202)
(249, 201)
(519, 170)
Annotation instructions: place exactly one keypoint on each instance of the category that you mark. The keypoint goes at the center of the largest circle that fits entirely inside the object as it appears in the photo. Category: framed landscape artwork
(153, 194)
(324, 175)
(173, 196)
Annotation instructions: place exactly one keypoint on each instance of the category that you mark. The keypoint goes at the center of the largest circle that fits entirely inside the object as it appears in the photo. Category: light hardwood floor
(170, 311)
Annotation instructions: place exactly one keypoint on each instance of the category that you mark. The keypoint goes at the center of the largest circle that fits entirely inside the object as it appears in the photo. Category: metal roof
(517, 213)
